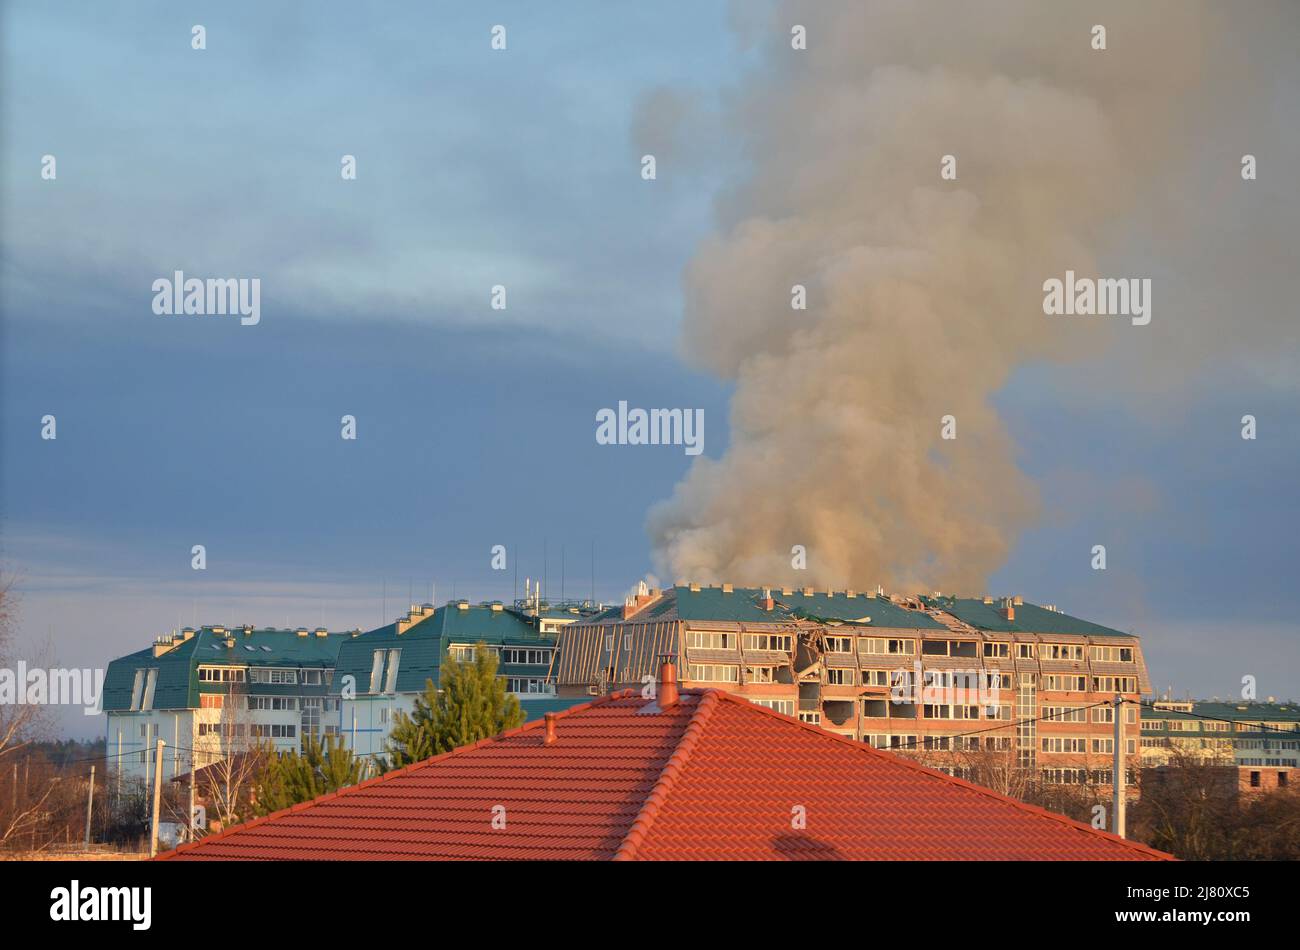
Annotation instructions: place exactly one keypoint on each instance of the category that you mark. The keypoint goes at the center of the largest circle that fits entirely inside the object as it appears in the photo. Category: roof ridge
(905, 762)
(668, 777)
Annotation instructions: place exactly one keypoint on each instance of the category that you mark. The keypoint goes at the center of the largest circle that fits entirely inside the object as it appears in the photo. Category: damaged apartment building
(929, 676)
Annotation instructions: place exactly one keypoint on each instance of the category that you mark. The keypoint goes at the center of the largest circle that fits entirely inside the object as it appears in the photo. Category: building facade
(212, 692)
(1252, 746)
(932, 677)
(380, 673)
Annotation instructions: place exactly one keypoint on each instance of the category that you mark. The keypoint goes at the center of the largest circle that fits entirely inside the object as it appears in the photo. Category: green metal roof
(424, 643)
(881, 611)
(744, 605)
(1233, 712)
(1029, 618)
(177, 686)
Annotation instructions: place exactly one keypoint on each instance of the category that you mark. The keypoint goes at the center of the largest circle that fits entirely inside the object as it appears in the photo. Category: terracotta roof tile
(714, 777)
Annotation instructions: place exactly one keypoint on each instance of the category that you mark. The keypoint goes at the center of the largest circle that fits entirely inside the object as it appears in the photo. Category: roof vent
(230, 643)
(1018, 601)
(550, 729)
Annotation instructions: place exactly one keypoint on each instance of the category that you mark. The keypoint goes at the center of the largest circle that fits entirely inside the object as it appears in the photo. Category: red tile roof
(714, 777)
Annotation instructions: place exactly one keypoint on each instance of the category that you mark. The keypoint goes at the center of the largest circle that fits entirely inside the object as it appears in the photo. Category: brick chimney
(767, 602)
(550, 729)
(667, 695)
(1008, 610)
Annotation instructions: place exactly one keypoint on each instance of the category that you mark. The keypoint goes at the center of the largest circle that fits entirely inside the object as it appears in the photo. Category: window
(273, 677)
(1025, 651)
(998, 743)
(880, 646)
(627, 641)
(377, 669)
(1066, 744)
(839, 644)
(1001, 651)
(1112, 654)
(838, 676)
(1281, 779)
(1065, 683)
(779, 642)
(933, 711)
(966, 648)
(1114, 684)
(713, 673)
(1067, 713)
(711, 640)
(810, 716)
(760, 674)
(221, 674)
(875, 708)
(785, 706)
(609, 643)
(273, 703)
(875, 677)
(311, 677)
(137, 690)
(1254, 780)
(529, 656)
(212, 701)
(1063, 651)
(394, 661)
(529, 685)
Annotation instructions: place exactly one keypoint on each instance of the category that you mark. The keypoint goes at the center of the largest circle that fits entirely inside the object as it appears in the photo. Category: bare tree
(228, 767)
(21, 809)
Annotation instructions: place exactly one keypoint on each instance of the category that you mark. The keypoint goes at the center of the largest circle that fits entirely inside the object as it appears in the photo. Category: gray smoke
(925, 295)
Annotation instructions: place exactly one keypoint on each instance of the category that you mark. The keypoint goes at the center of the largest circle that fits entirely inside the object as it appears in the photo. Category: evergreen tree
(469, 704)
(322, 767)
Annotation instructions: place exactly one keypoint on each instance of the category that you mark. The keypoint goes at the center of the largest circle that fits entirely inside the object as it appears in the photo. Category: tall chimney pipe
(550, 729)
(667, 695)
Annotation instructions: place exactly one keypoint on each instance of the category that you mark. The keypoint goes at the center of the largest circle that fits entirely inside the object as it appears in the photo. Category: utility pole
(157, 797)
(194, 767)
(1117, 769)
(90, 801)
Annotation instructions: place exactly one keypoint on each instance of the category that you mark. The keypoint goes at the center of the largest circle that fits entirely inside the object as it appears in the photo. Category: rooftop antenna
(561, 573)
(593, 572)
(383, 612)
(514, 589)
(544, 567)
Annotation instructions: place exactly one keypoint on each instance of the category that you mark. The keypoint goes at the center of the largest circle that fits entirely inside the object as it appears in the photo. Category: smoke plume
(923, 295)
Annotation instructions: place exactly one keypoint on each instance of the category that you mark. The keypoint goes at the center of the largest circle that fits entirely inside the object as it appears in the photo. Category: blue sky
(475, 426)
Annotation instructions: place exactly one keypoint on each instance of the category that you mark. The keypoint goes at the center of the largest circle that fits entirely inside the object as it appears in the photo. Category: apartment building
(381, 672)
(932, 677)
(1254, 746)
(215, 691)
